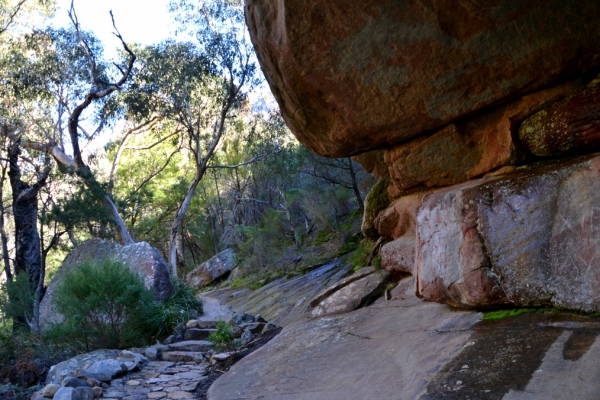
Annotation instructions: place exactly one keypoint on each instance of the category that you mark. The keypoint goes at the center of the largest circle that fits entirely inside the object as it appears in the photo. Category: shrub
(104, 304)
(181, 306)
(223, 336)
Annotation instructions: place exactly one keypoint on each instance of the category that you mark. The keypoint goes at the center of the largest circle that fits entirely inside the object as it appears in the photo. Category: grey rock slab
(65, 368)
(559, 377)
(361, 273)
(356, 293)
(192, 345)
(107, 368)
(280, 302)
(212, 269)
(377, 352)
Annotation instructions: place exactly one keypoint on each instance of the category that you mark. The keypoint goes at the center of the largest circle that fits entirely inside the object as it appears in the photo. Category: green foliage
(19, 297)
(181, 306)
(104, 305)
(223, 337)
(359, 258)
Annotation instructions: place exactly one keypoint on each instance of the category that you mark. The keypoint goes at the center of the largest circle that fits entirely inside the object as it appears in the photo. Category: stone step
(197, 334)
(183, 356)
(191, 345)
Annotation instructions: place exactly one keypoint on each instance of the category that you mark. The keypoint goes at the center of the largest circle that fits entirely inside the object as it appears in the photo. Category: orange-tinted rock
(398, 256)
(527, 238)
(570, 125)
(354, 76)
(373, 163)
(466, 150)
(399, 218)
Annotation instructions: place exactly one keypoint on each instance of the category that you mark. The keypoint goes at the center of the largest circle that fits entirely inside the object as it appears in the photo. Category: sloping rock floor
(282, 301)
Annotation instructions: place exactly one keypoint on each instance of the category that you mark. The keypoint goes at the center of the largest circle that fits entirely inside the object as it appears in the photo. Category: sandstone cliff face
(467, 111)
(352, 76)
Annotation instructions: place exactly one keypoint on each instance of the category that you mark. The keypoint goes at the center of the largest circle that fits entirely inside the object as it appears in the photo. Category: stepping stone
(180, 395)
(156, 395)
(191, 345)
(179, 356)
(197, 334)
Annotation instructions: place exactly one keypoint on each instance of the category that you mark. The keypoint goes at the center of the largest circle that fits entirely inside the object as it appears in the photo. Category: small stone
(50, 390)
(132, 383)
(84, 393)
(247, 337)
(188, 375)
(269, 327)
(150, 376)
(156, 388)
(156, 395)
(93, 382)
(172, 389)
(97, 392)
(64, 393)
(190, 387)
(222, 356)
(259, 318)
(180, 395)
(71, 381)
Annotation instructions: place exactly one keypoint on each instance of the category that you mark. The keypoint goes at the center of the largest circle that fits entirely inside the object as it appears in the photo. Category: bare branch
(250, 161)
(11, 17)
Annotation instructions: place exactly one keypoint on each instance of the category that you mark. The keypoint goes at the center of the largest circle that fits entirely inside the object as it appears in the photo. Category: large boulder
(529, 238)
(353, 76)
(139, 257)
(212, 269)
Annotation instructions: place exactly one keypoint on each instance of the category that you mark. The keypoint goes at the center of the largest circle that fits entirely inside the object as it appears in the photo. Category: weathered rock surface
(409, 349)
(570, 125)
(349, 294)
(139, 257)
(464, 150)
(398, 256)
(350, 77)
(399, 218)
(212, 269)
(374, 348)
(281, 302)
(528, 238)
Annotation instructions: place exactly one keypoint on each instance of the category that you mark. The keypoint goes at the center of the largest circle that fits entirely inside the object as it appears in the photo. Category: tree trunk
(28, 256)
(359, 199)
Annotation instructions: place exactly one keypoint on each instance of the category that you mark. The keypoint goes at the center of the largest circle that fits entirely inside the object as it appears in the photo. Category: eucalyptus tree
(198, 86)
(63, 76)
(51, 80)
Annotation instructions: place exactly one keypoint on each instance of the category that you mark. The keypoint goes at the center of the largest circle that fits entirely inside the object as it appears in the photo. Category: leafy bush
(104, 304)
(223, 336)
(18, 298)
(180, 307)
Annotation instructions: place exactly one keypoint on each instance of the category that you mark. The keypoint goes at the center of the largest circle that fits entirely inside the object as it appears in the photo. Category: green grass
(515, 312)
